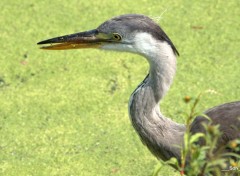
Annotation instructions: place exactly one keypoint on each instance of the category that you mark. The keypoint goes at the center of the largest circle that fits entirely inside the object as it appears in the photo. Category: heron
(141, 35)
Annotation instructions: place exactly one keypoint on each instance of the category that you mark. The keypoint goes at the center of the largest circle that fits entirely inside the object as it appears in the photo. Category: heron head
(131, 33)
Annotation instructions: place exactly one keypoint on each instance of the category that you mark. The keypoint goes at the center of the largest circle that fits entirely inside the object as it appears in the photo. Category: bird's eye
(117, 36)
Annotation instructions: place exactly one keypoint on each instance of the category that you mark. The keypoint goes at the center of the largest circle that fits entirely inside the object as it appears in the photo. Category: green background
(65, 112)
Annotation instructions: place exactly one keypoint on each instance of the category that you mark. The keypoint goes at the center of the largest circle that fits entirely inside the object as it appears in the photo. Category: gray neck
(160, 134)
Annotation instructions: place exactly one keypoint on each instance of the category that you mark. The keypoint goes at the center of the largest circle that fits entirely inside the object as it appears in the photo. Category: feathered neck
(159, 133)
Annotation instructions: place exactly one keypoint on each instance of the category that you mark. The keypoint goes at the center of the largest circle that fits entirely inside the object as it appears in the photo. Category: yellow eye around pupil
(117, 36)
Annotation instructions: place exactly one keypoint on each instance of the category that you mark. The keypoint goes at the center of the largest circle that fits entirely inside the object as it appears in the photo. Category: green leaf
(195, 137)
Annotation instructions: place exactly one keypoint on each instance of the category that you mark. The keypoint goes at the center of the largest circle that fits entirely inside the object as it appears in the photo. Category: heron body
(141, 35)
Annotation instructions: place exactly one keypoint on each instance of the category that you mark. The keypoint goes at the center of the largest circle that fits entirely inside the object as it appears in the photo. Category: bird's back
(227, 116)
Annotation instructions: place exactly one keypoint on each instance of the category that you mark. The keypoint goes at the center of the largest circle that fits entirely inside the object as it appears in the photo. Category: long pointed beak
(88, 39)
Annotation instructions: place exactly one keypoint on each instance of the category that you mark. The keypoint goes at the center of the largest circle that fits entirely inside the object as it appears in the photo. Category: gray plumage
(126, 25)
(139, 34)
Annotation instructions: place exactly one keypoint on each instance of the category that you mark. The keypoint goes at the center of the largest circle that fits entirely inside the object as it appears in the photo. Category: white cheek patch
(145, 43)
(151, 48)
